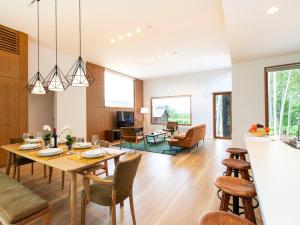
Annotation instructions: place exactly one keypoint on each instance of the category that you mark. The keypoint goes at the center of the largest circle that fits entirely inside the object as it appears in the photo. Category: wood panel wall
(99, 117)
(13, 78)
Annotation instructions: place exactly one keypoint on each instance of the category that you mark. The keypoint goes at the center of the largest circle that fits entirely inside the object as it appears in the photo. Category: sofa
(190, 138)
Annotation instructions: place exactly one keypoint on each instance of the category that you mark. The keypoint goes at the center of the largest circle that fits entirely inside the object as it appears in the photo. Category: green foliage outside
(284, 101)
(174, 116)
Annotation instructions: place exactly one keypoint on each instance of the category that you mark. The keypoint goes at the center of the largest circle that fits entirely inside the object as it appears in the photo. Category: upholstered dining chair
(130, 135)
(111, 190)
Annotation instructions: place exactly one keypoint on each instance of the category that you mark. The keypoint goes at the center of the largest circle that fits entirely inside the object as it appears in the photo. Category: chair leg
(130, 145)
(32, 168)
(121, 144)
(106, 168)
(145, 145)
(248, 207)
(113, 209)
(83, 205)
(14, 171)
(132, 207)
(18, 173)
(62, 180)
(47, 218)
(224, 202)
(50, 174)
(45, 171)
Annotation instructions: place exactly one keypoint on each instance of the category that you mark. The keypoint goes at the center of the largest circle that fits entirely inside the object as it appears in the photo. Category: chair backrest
(16, 140)
(124, 176)
(128, 134)
(104, 143)
(172, 124)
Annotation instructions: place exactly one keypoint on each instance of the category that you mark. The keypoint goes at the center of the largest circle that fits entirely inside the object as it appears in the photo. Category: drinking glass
(39, 135)
(95, 139)
(25, 136)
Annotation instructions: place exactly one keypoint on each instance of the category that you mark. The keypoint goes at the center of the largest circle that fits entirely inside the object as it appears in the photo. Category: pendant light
(55, 80)
(37, 84)
(78, 76)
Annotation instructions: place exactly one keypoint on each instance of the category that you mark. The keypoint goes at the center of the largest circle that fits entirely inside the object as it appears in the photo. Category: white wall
(200, 86)
(65, 108)
(248, 93)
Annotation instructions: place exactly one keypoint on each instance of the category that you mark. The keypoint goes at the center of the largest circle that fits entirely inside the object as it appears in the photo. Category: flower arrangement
(46, 132)
(259, 130)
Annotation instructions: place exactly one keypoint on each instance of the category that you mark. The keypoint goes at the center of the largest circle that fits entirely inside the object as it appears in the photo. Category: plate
(50, 152)
(93, 153)
(29, 146)
(83, 145)
(33, 140)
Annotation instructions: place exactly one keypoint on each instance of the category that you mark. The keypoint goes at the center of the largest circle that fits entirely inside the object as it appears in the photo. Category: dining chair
(130, 135)
(18, 161)
(111, 190)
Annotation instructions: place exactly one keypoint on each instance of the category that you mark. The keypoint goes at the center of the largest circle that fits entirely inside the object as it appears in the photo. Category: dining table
(68, 161)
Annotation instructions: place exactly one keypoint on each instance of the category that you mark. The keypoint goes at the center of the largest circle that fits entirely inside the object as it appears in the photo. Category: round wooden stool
(237, 153)
(236, 187)
(237, 165)
(223, 218)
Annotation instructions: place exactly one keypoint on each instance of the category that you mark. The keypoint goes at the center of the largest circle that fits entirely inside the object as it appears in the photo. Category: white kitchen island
(276, 170)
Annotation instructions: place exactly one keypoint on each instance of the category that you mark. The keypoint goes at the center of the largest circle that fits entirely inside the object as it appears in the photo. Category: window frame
(174, 96)
(134, 91)
(267, 86)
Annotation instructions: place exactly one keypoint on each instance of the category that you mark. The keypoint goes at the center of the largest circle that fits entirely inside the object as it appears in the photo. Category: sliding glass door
(283, 99)
(222, 115)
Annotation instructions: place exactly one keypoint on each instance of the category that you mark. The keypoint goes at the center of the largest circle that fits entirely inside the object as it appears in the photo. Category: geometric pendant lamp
(78, 76)
(56, 81)
(36, 84)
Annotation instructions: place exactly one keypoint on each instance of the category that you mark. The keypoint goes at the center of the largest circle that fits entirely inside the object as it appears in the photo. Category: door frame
(214, 113)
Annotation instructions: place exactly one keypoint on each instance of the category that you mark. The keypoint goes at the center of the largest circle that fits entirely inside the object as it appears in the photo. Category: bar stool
(237, 153)
(223, 218)
(237, 187)
(236, 165)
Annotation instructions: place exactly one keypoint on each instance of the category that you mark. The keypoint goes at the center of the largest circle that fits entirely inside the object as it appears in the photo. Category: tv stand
(115, 134)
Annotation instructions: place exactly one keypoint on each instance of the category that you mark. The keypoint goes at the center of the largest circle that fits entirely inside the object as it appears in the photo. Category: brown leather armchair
(190, 138)
(171, 125)
(130, 135)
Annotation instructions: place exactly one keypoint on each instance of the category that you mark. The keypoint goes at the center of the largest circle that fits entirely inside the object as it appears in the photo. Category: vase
(47, 141)
(69, 147)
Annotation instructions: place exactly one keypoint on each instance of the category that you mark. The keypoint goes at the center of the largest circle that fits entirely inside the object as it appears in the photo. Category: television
(125, 119)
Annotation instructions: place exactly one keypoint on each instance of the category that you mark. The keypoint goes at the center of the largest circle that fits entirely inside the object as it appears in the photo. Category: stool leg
(231, 155)
(224, 202)
(228, 171)
(245, 175)
(248, 207)
(242, 157)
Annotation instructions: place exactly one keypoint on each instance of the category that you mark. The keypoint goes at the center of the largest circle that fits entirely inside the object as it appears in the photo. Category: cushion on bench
(17, 202)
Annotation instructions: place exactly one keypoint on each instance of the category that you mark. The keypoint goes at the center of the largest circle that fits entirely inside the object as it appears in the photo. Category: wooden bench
(19, 205)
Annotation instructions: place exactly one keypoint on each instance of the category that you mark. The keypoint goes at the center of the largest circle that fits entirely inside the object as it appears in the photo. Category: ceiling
(177, 36)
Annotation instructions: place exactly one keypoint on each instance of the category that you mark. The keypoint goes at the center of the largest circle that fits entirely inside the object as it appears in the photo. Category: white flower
(47, 128)
(67, 130)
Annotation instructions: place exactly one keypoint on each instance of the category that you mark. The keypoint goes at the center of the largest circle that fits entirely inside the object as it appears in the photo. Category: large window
(283, 99)
(119, 90)
(172, 109)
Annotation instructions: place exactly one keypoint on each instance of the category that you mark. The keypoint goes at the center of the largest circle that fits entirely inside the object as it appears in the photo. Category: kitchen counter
(276, 170)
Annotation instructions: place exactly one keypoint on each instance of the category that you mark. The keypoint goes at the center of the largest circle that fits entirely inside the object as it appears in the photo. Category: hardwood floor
(173, 190)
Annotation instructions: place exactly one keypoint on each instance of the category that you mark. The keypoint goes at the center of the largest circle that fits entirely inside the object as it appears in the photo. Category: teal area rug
(162, 148)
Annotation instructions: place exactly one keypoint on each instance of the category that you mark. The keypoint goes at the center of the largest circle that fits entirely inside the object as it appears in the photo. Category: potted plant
(46, 134)
(69, 141)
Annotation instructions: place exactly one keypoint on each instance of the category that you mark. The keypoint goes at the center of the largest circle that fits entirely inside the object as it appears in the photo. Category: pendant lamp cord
(56, 34)
(38, 32)
(80, 28)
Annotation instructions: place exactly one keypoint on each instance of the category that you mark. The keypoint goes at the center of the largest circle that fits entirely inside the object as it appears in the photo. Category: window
(283, 99)
(119, 90)
(172, 109)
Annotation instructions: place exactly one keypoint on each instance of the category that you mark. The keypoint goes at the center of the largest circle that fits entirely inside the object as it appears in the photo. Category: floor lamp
(144, 111)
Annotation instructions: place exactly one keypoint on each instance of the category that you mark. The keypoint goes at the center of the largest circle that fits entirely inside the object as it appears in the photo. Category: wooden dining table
(71, 163)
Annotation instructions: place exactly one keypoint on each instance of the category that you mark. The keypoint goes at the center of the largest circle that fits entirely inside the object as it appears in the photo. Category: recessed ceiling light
(129, 34)
(273, 10)
(146, 60)
(138, 30)
(167, 54)
(112, 40)
(120, 37)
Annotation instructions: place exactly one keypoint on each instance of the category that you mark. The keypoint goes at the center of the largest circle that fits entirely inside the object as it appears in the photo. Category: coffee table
(156, 137)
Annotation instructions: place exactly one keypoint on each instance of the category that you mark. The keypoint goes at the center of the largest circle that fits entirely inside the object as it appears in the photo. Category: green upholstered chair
(111, 190)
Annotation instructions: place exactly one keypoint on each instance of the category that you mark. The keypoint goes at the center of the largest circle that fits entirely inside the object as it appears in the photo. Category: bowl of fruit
(259, 130)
